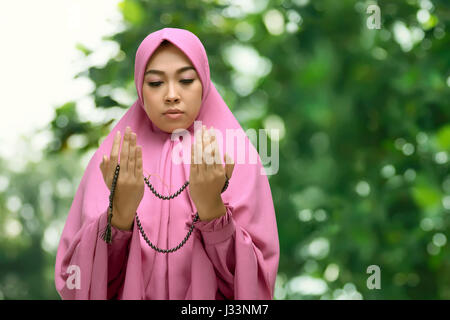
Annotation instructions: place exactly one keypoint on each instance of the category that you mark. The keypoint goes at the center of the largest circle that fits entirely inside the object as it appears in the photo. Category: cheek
(196, 96)
(146, 94)
(149, 105)
(150, 98)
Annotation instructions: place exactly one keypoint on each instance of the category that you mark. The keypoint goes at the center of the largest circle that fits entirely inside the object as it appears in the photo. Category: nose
(172, 95)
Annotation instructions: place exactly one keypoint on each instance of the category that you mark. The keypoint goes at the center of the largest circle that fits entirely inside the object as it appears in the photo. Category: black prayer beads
(106, 235)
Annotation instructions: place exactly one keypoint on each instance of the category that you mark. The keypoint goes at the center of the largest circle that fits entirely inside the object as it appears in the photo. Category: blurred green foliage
(364, 153)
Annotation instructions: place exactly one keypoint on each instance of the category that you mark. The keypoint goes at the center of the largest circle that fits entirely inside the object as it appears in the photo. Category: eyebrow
(162, 72)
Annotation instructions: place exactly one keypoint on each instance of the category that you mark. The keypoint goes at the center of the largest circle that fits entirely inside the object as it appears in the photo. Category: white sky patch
(363, 188)
(38, 59)
(407, 37)
(307, 285)
(274, 22)
(248, 67)
(331, 272)
(274, 126)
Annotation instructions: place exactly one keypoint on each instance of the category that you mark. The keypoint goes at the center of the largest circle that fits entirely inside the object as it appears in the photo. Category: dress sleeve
(86, 264)
(117, 259)
(224, 243)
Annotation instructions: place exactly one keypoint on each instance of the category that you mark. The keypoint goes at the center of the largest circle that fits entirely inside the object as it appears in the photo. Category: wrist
(120, 223)
(212, 211)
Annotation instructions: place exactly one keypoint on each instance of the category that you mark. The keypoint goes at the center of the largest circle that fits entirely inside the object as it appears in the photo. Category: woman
(233, 250)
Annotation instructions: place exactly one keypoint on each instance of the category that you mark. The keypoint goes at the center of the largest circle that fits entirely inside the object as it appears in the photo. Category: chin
(175, 127)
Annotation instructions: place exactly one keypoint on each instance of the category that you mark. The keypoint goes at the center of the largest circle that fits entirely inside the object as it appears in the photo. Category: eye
(186, 81)
(154, 84)
(158, 83)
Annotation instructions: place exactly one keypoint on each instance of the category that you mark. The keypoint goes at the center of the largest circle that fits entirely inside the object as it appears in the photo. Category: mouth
(173, 116)
(173, 111)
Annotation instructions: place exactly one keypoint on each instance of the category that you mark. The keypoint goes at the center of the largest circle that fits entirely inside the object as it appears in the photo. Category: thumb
(104, 164)
(229, 165)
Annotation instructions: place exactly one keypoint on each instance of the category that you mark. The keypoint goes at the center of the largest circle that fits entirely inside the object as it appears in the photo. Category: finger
(229, 165)
(132, 155)
(104, 161)
(204, 149)
(216, 152)
(102, 164)
(199, 150)
(114, 155)
(105, 164)
(138, 173)
(212, 150)
(125, 150)
(194, 165)
(207, 149)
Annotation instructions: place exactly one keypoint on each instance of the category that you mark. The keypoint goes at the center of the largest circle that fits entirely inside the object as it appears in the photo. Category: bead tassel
(106, 234)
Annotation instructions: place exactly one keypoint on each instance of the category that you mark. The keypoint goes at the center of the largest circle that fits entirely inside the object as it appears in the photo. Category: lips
(173, 116)
(173, 111)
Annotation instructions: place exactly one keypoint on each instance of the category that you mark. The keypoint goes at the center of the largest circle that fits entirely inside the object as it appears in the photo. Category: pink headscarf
(244, 241)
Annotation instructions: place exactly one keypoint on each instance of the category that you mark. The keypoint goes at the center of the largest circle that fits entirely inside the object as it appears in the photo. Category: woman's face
(171, 82)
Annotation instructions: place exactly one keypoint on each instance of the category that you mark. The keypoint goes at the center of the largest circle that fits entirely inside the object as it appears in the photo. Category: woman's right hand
(129, 189)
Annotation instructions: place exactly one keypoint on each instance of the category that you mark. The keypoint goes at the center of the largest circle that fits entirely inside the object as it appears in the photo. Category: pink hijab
(232, 257)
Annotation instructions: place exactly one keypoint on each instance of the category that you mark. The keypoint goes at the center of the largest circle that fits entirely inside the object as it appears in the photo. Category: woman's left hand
(207, 175)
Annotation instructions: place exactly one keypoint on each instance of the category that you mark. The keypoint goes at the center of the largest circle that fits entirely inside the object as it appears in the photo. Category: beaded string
(106, 234)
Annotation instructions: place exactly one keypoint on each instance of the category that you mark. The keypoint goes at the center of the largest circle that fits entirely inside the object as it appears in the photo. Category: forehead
(168, 55)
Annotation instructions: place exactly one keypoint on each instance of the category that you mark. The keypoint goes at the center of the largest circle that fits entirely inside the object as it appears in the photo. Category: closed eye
(158, 83)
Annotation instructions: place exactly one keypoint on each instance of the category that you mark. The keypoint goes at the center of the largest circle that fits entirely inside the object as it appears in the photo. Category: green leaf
(443, 137)
(132, 11)
(426, 197)
(83, 49)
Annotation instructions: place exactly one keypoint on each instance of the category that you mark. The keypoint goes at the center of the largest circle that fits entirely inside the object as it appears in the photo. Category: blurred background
(363, 115)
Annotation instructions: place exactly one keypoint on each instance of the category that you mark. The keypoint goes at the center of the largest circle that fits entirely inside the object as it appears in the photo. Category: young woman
(196, 229)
